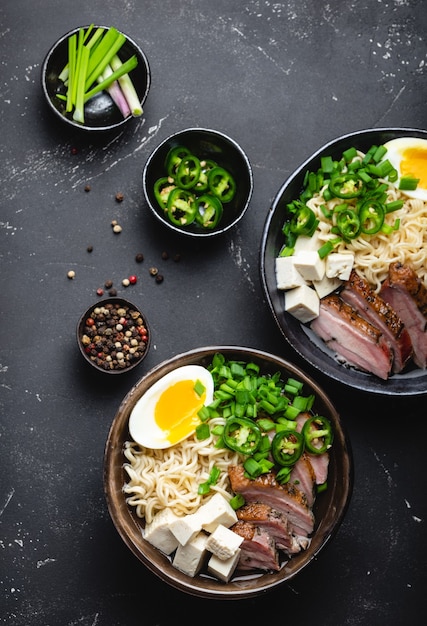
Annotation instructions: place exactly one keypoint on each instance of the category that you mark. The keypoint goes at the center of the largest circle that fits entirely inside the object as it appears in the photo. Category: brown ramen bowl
(329, 508)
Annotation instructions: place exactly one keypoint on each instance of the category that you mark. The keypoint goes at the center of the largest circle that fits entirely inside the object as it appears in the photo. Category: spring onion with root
(94, 66)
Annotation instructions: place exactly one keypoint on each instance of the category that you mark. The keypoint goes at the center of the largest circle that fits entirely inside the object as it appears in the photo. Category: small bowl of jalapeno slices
(198, 182)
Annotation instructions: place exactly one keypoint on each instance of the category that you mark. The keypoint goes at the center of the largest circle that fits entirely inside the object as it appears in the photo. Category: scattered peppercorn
(139, 257)
(108, 284)
(159, 278)
(117, 228)
(87, 188)
(99, 291)
(153, 271)
(89, 249)
(112, 292)
(74, 150)
(165, 256)
(133, 279)
(71, 274)
(114, 336)
(119, 197)
(125, 282)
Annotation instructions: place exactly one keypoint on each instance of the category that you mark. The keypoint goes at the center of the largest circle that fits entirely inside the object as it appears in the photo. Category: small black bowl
(210, 145)
(98, 333)
(101, 114)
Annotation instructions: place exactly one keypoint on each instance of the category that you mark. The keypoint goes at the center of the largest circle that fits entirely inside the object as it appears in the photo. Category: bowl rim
(71, 122)
(127, 524)
(288, 327)
(202, 234)
(103, 302)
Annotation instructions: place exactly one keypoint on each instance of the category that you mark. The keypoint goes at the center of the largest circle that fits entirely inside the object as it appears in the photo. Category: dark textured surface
(282, 79)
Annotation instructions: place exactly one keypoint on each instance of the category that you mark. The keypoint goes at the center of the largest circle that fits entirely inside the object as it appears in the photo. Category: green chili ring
(371, 215)
(209, 211)
(348, 223)
(303, 221)
(318, 434)
(222, 184)
(188, 172)
(181, 207)
(241, 435)
(346, 186)
(287, 447)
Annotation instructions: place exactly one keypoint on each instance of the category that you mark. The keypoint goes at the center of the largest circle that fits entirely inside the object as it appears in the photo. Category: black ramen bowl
(205, 144)
(329, 508)
(412, 381)
(100, 111)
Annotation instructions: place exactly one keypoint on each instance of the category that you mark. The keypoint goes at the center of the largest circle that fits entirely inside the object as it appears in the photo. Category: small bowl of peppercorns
(113, 335)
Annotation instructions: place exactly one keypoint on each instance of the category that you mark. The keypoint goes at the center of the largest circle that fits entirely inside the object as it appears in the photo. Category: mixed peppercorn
(114, 336)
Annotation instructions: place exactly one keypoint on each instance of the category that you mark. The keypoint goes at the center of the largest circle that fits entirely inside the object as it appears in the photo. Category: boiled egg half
(167, 412)
(408, 155)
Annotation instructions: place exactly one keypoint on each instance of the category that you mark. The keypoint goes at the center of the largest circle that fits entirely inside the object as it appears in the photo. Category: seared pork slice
(284, 498)
(274, 522)
(361, 296)
(257, 550)
(353, 339)
(405, 292)
(303, 477)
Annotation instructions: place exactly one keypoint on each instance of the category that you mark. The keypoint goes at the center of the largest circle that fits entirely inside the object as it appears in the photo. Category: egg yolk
(176, 410)
(414, 165)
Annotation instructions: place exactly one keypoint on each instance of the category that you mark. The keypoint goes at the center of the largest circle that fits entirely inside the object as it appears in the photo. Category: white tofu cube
(223, 569)
(191, 557)
(326, 285)
(339, 265)
(303, 303)
(309, 264)
(216, 511)
(186, 528)
(158, 531)
(223, 542)
(304, 243)
(287, 276)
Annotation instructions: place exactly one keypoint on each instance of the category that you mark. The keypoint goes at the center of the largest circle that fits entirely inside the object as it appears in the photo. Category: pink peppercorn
(132, 279)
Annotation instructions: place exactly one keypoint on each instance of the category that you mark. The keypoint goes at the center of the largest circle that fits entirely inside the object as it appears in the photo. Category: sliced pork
(272, 521)
(353, 339)
(303, 477)
(406, 293)
(361, 296)
(257, 550)
(284, 498)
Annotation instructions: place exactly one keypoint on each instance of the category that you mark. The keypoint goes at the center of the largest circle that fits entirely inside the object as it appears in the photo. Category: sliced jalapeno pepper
(222, 184)
(287, 447)
(303, 220)
(241, 435)
(162, 188)
(348, 223)
(318, 434)
(346, 186)
(181, 207)
(188, 172)
(371, 215)
(205, 167)
(174, 158)
(209, 211)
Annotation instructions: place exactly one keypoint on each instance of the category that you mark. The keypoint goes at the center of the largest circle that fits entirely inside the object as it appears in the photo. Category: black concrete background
(281, 78)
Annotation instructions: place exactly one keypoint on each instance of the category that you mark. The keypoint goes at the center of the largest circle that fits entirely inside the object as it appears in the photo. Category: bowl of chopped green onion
(198, 182)
(95, 78)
